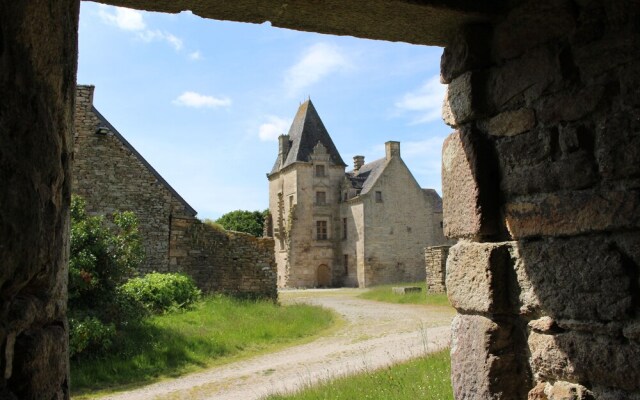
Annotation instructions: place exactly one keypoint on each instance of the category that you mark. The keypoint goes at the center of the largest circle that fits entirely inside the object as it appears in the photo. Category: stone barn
(541, 172)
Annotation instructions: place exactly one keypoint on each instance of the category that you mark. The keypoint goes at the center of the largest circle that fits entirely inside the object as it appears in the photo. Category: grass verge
(424, 378)
(384, 293)
(219, 329)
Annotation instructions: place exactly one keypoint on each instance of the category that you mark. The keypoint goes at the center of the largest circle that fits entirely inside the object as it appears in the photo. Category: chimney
(358, 161)
(84, 96)
(392, 149)
(283, 147)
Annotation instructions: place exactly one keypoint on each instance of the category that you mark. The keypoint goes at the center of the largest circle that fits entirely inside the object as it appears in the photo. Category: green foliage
(384, 293)
(424, 378)
(251, 222)
(103, 254)
(160, 293)
(217, 330)
(213, 224)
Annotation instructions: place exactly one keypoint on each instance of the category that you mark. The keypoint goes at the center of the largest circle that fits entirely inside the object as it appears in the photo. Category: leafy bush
(162, 292)
(251, 222)
(103, 255)
(89, 334)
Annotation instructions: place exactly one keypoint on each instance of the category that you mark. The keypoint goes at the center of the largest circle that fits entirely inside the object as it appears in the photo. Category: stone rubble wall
(233, 263)
(435, 259)
(541, 182)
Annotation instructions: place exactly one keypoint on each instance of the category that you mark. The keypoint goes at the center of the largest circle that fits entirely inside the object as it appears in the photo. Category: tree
(251, 222)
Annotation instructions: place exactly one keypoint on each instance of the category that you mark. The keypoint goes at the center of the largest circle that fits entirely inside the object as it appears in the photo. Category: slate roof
(306, 131)
(155, 173)
(367, 175)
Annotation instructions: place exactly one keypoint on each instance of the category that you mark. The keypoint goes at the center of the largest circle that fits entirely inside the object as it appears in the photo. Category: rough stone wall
(234, 263)
(38, 58)
(111, 177)
(542, 187)
(435, 260)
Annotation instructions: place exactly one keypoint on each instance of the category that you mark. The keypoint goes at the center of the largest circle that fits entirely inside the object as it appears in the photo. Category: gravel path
(375, 334)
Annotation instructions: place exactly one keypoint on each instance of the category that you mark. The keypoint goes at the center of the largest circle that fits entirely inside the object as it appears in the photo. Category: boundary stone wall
(435, 258)
(233, 263)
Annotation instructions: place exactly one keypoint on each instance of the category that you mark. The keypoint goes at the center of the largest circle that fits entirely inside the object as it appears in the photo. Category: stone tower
(303, 200)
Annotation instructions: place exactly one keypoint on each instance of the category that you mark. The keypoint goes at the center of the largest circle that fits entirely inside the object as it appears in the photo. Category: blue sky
(204, 101)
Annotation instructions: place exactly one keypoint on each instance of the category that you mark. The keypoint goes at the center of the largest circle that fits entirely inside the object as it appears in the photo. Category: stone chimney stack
(84, 96)
(358, 161)
(392, 149)
(283, 147)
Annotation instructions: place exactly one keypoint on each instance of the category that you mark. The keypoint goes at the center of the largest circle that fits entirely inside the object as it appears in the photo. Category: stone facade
(111, 175)
(435, 260)
(365, 227)
(541, 184)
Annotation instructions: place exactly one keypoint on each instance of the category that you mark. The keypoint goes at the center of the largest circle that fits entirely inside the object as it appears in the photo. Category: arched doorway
(323, 275)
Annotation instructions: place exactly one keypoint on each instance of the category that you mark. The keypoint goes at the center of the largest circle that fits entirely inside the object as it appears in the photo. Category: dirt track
(374, 335)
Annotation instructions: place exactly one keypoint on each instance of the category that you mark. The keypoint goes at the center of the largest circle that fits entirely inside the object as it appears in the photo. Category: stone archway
(540, 182)
(323, 275)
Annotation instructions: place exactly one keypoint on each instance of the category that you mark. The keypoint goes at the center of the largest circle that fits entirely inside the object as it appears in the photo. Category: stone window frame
(344, 228)
(378, 196)
(345, 261)
(320, 171)
(321, 198)
(322, 231)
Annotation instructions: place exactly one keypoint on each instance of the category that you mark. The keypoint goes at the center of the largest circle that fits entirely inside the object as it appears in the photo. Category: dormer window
(320, 171)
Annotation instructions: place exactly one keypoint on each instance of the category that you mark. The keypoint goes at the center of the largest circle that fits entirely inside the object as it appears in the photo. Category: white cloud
(195, 56)
(151, 35)
(276, 126)
(426, 101)
(317, 61)
(123, 18)
(133, 21)
(197, 100)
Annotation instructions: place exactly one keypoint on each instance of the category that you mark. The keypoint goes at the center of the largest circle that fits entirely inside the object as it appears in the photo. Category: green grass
(384, 293)
(219, 329)
(426, 378)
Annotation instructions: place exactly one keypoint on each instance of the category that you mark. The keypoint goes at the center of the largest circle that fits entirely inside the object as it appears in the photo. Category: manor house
(363, 227)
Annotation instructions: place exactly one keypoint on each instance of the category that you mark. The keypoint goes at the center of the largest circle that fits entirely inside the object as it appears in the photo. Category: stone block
(464, 99)
(567, 391)
(406, 289)
(522, 81)
(468, 50)
(509, 123)
(618, 145)
(531, 24)
(469, 210)
(586, 359)
(528, 148)
(596, 59)
(477, 277)
(573, 212)
(484, 365)
(550, 175)
(578, 278)
(569, 105)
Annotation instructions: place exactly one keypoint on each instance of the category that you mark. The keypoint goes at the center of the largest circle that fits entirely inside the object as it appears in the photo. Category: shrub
(103, 254)
(162, 292)
(89, 334)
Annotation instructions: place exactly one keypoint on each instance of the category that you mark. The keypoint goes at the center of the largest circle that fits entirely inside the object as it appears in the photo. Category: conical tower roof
(306, 131)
